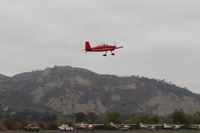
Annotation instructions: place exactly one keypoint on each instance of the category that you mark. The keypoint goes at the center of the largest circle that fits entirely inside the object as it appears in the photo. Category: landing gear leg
(105, 54)
(112, 53)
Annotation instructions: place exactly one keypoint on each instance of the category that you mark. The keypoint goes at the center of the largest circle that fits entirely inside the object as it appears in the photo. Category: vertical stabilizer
(87, 46)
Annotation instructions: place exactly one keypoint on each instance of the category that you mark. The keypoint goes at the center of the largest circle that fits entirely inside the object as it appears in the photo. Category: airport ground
(107, 131)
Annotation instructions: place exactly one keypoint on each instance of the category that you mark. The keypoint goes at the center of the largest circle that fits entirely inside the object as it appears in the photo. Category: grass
(185, 131)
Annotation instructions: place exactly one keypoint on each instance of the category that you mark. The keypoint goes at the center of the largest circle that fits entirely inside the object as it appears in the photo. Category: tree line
(46, 120)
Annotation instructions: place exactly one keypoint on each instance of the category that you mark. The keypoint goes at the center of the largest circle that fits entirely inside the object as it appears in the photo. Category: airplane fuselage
(101, 48)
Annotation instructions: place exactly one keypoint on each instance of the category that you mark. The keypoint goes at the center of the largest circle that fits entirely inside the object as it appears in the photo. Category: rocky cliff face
(70, 90)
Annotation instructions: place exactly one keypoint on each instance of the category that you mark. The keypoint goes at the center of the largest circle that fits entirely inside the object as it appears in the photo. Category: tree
(51, 125)
(91, 117)
(179, 117)
(47, 117)
(65, 120)
(114, 117)
(155, 119)
(100, 121)
(80, 117)
(196, 118)
(140, 118)
(9, 124)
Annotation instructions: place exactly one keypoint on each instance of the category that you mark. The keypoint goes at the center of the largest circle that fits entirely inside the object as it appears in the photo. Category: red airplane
(101, 48)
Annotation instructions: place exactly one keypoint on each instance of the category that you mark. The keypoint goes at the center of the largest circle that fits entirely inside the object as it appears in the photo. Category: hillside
(70, 90)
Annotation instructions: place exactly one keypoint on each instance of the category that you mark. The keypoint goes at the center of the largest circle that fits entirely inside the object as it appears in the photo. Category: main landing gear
(110, 54)
(105, 54)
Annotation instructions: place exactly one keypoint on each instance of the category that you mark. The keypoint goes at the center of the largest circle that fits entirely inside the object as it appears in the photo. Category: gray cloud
(161, 38)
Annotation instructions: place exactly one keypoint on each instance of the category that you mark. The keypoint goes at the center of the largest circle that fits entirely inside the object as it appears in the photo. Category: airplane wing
(103, 49)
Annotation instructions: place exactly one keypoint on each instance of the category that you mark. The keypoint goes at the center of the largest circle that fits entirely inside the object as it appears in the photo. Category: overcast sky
(161, 37)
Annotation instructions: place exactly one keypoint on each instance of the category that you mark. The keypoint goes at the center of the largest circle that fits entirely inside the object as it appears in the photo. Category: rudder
(87, 46)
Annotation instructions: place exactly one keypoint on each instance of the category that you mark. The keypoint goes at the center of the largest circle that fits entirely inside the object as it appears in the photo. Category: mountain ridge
(69, 90)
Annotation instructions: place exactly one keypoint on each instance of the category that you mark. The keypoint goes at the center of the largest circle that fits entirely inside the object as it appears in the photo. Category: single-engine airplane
(101, 48)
